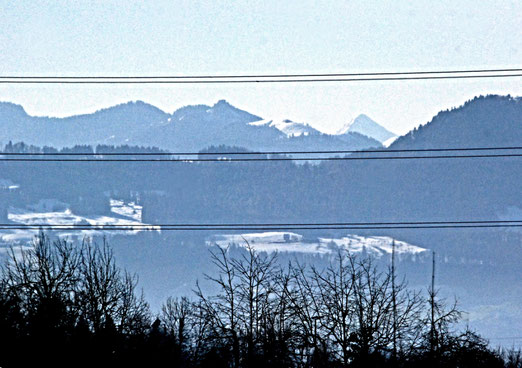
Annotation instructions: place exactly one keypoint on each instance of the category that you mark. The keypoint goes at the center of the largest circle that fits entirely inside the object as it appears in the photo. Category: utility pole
(394, 301)
(432, 302)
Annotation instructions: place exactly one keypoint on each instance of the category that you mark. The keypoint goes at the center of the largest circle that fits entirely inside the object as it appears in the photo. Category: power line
(155, 228)
(460, 222)
(236, 81)
(258, 152)
(266, 78)
(152, 227)
(350, 158)
(233, 76)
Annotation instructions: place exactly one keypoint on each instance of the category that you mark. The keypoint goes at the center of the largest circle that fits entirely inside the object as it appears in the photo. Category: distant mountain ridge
(97, 128)
(484, 121)
(190, 128)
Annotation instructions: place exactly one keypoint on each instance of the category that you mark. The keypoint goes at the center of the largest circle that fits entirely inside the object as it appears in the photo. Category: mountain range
(190, 128)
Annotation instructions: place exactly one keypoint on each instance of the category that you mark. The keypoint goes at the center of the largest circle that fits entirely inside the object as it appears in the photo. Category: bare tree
(335, 289)
(133, 313)
(442, 316)
(108, 294)
(378, 300)
(256, 278)
(244, 312)
(351, 310)
(176, 317)
(44, 281)
(439, 335)
(512, 357)
(305, 308)
(222, 310)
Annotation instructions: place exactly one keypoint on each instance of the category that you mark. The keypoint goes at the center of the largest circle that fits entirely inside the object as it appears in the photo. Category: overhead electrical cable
(209, 76)
(237, 81)
(267, 78)
(153, 228)
(258, 152)
(293, 224)
(226, 159)
(272, 226)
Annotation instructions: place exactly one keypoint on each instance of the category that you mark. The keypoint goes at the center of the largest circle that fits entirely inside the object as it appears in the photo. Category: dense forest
(67, 304)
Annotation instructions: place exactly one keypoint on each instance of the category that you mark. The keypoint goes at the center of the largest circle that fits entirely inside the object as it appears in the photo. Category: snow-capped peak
(362, 124)
(288, 127)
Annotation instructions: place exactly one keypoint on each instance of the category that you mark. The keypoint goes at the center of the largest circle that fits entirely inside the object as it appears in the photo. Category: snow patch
(67, 218)
(378, 245)
(387, 143)
(8, 184)
(292, 242)
(131, 210)
(286, 126)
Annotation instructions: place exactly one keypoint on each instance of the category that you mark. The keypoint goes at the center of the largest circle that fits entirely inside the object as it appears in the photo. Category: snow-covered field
(293, 242)
(129, 215)
(131, 210)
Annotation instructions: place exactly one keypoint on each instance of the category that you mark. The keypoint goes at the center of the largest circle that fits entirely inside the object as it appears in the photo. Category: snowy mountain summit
(364, 125)
(288, 127)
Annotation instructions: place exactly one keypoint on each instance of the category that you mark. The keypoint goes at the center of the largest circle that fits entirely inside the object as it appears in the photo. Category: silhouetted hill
(485, 121)
(105, 126)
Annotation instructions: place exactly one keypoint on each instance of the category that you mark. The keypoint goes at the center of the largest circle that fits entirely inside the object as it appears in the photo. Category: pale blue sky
(210, 37)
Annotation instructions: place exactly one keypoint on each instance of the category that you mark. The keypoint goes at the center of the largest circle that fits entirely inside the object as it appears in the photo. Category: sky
(177, 37)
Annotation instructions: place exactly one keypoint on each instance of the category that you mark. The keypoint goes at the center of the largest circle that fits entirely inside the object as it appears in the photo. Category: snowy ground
(293, 242)
(129, 215)
(131, 210)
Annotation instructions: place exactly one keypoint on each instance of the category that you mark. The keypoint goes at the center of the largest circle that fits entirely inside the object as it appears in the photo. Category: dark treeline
(64, 304)
(21, 147)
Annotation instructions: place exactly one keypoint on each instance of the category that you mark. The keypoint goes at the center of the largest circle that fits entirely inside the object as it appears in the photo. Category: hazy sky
(109, 37)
